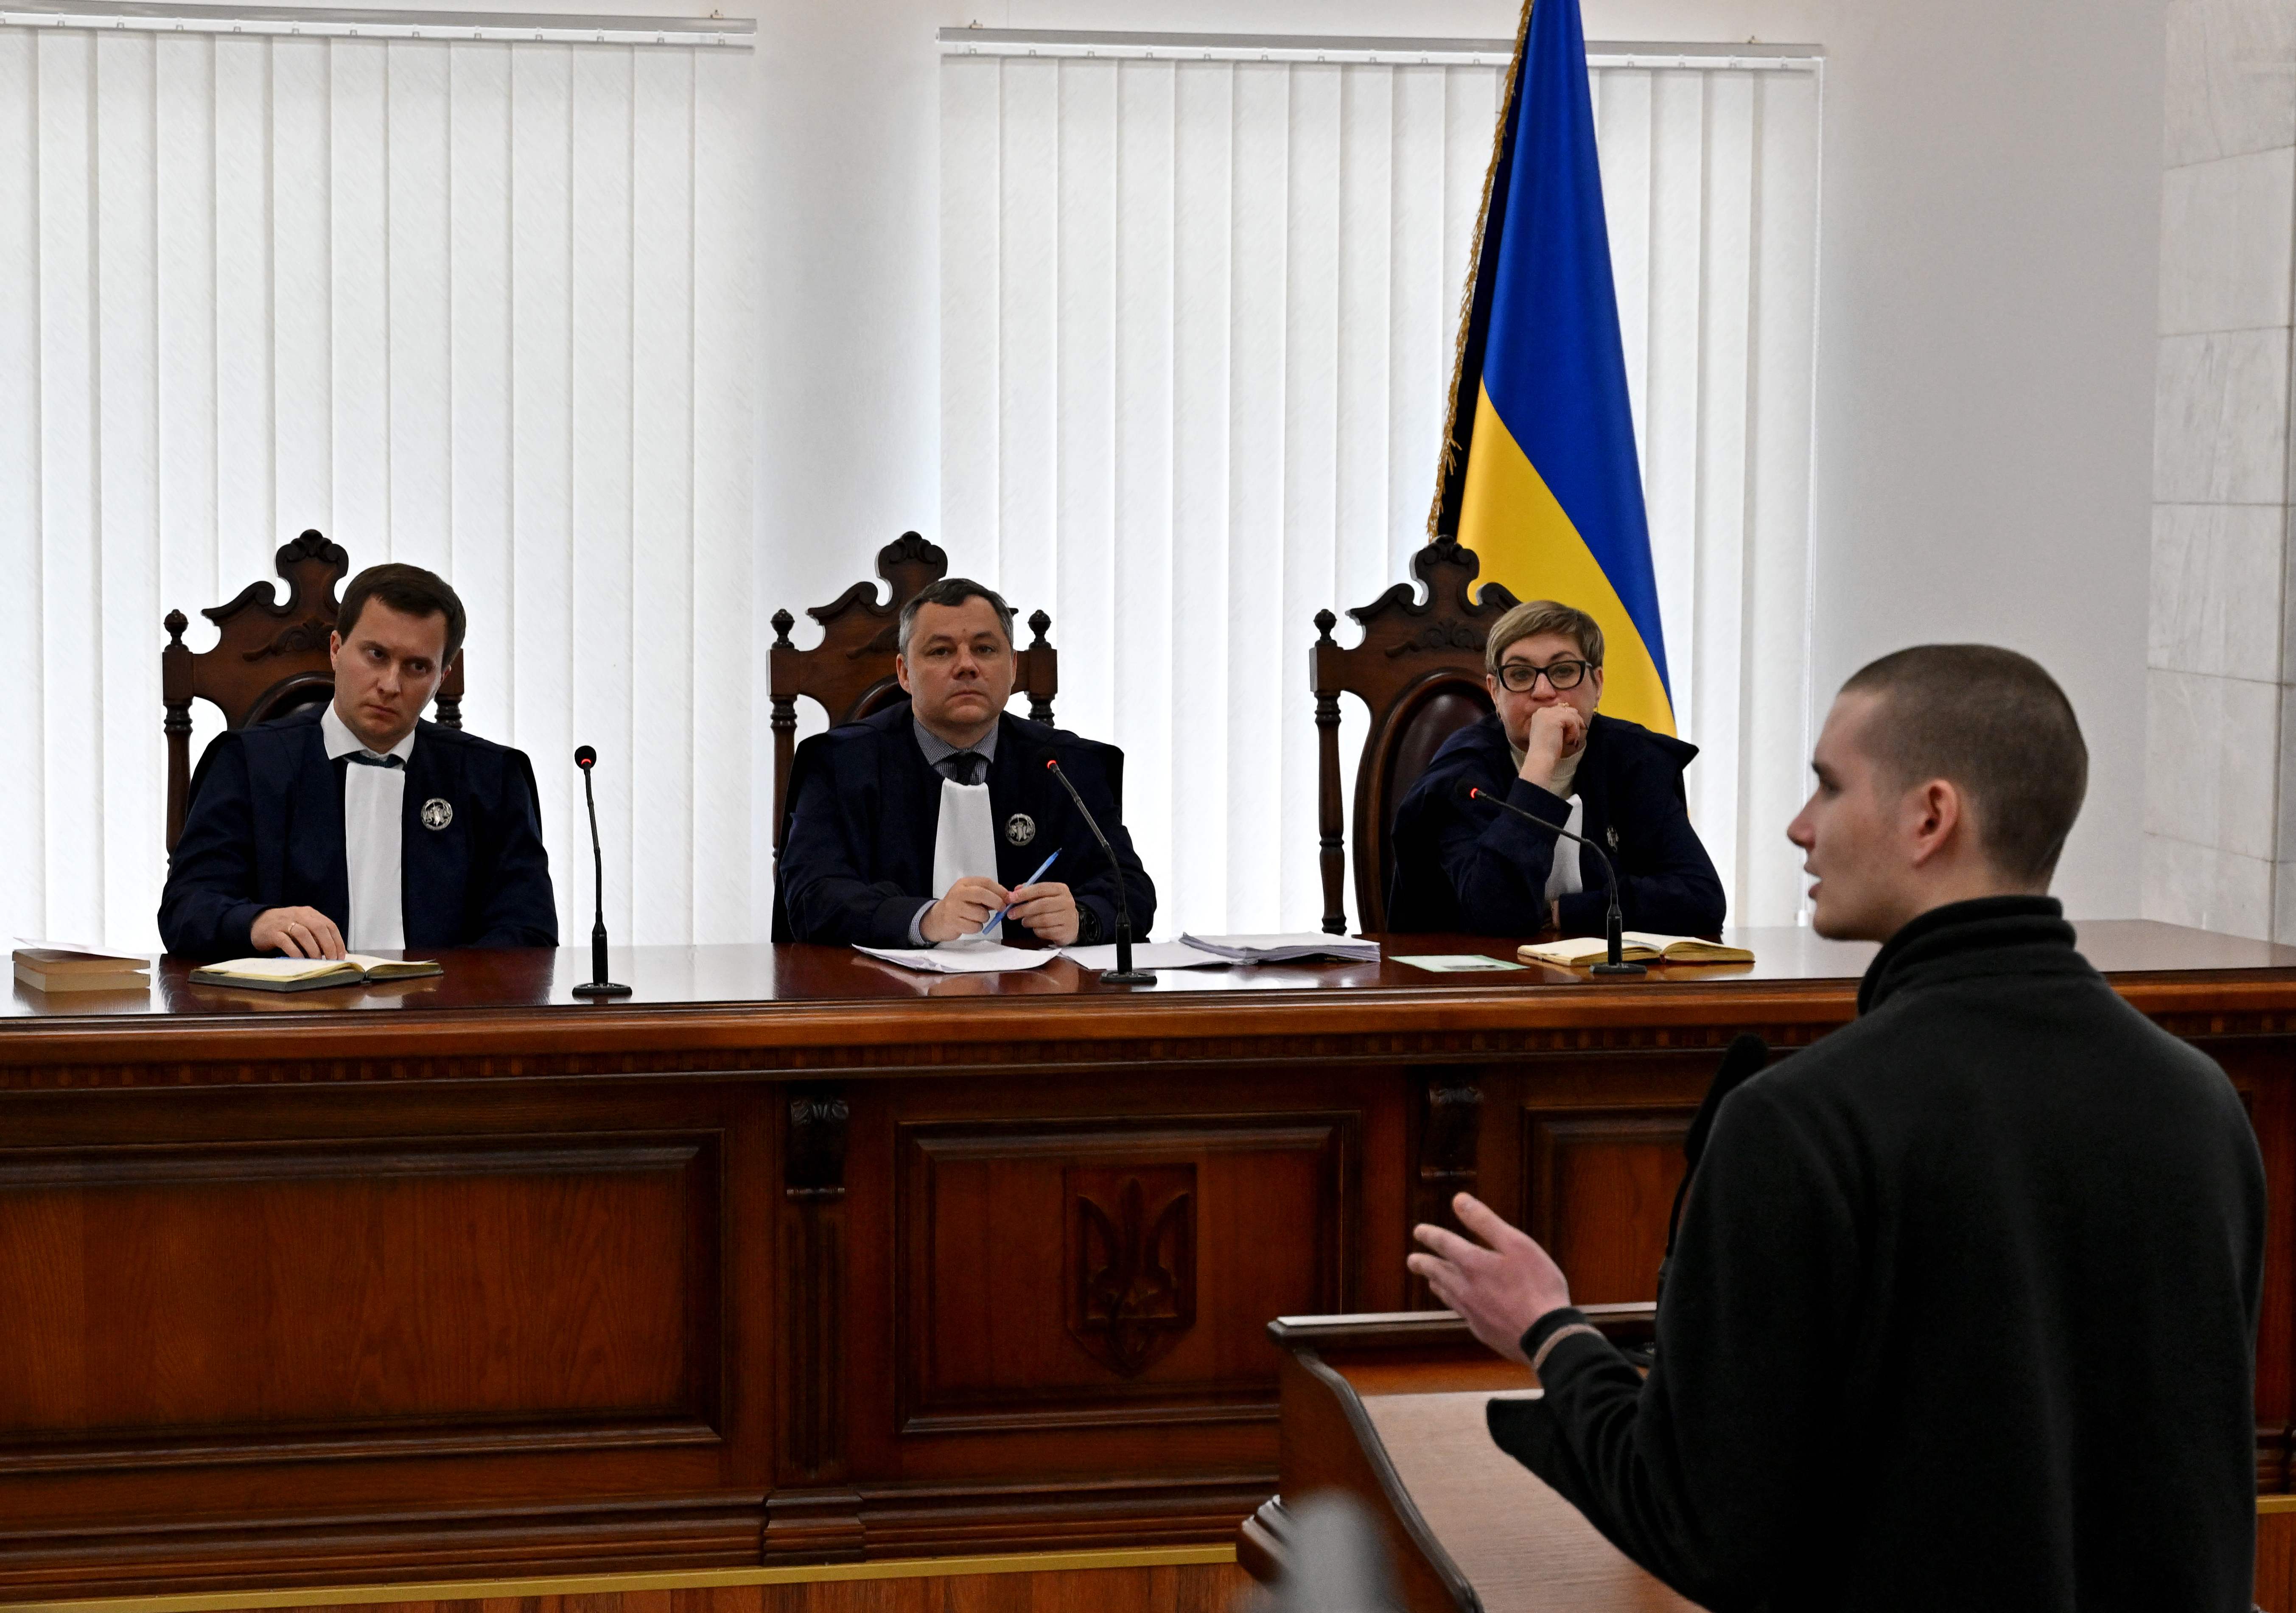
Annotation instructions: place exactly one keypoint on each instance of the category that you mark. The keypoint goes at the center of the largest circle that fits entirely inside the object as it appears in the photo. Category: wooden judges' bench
(795, 1255)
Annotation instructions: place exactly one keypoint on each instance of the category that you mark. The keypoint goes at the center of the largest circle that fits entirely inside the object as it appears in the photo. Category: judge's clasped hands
(1501, 1286)
(1047, 910)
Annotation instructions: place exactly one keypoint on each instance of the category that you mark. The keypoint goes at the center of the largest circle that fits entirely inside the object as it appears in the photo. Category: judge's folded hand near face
(918, 824)
(1463, 864)
(355, 825)
(1962, 1308)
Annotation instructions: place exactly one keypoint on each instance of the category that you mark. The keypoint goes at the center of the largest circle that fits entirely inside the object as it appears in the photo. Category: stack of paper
(59, 969)
(1289, 948)
(310, 974)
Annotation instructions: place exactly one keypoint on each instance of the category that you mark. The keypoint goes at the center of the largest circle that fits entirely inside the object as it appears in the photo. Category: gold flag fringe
(1450, 455)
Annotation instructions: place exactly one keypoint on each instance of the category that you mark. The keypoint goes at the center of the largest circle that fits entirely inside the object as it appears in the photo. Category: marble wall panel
(2232, 78)
(2206, 888)
(2220, 419)
(2217, 590)
(2227, 228)
(2211, 761)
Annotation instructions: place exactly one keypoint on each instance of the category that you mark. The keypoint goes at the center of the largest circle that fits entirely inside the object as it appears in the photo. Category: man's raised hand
(1500, 1286)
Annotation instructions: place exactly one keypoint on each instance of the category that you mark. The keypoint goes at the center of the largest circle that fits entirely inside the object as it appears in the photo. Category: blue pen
(1031, 879)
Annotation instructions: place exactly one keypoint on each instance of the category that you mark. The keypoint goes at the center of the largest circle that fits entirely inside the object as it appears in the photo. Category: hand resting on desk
(1500, 1290)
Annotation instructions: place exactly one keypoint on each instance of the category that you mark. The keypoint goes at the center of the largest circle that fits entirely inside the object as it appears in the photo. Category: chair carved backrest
(270, 659)
(850, 673)
(1419, 671)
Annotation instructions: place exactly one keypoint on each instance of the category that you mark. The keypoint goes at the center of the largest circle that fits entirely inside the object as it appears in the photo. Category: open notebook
(1636, 946)
(310, 974)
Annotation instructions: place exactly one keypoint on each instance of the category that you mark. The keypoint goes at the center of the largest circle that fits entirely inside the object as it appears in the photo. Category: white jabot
(965, 843)
(374, 806)
(1562, 874)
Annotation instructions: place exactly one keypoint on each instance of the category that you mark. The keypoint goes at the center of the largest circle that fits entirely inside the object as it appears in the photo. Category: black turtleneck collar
(1987, 925)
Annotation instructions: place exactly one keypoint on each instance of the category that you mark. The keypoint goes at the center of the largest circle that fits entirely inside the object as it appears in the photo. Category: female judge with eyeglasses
(1463, 864)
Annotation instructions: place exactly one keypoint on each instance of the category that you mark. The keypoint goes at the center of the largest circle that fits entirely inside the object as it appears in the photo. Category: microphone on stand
(1123, 974)
(1616, 963)
(597, 985)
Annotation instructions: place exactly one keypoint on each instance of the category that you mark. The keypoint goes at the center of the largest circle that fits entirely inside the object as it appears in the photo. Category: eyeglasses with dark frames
(1521, 677)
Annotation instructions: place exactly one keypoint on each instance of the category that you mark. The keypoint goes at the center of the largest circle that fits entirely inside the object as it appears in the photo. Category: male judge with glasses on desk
(1465, 864)
(937, 820)
(355, 825)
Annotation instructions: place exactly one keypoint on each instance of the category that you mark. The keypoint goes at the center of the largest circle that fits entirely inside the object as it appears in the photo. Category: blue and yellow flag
(1539, 473)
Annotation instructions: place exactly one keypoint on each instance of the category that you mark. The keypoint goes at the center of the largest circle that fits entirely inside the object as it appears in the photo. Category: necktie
(365, 760)
(965, 767)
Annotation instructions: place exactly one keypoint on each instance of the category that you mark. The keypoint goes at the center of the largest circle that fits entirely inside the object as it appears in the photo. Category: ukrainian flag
(1540, 478)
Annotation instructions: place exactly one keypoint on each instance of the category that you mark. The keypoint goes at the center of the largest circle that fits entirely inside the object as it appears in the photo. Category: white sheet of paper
(953, 959)
(1146, 954)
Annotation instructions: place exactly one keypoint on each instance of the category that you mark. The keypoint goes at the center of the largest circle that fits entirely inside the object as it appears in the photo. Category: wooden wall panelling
(1050, 1271)
(1447, 1153)
(367, 1323)
(812, 1511)
(993, 1413)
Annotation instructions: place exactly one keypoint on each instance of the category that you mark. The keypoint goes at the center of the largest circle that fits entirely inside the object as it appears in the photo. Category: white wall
(1988, 263)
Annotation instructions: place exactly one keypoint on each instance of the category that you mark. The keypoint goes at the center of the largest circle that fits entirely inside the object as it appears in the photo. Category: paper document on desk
(1286, 948)
(957, 958)
(1146, 954)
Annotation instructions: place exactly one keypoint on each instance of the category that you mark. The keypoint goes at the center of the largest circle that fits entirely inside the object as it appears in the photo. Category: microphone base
(1127, 977)
(1617, 969)
(600, 988)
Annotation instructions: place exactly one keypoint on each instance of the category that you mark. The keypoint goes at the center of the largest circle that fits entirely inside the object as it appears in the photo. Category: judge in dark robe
(355, 825)
(923, 823)
(1465, 864)
(1962, 1311)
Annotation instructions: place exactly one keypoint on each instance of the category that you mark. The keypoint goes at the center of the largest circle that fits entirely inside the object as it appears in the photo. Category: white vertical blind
(1197, 307)
(481, 305)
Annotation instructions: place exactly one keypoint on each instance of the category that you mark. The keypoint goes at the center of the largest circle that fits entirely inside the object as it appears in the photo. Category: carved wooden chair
(270, 659)
(1419, 671)
(850, 674)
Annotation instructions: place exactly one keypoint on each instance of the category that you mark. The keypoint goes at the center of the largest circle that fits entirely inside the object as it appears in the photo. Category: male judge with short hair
(923, 823)
(355, 825)
(1465, 864)
(1962, 1310)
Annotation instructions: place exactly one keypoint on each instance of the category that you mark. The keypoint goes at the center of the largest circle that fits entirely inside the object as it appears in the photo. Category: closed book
(311, 974)
(52, 969)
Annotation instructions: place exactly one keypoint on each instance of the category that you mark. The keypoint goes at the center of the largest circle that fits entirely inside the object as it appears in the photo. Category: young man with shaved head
(1962, 1310)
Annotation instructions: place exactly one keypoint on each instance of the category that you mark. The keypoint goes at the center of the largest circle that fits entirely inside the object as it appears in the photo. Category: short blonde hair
(1539, 618)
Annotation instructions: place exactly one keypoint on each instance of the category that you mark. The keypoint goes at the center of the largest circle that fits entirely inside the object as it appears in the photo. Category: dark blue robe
(1466, 865)
(265, 829)
(856, 857)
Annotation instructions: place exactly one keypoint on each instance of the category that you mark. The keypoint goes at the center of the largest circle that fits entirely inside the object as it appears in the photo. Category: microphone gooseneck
(1615, 920)
(1123, 974)
(597, 985)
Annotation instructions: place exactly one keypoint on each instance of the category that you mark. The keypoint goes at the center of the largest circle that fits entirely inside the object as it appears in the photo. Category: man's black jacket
(1467, 865)
(1962, 1315)
(856, 855)
(265, 829)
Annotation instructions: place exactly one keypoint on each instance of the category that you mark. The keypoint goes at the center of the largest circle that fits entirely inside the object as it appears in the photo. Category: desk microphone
(597, 985)
(1123, 974)
(1615, 964)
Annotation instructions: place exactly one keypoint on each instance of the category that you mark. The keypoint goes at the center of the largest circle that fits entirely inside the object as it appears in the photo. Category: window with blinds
(1198, 300)
(478, 302)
